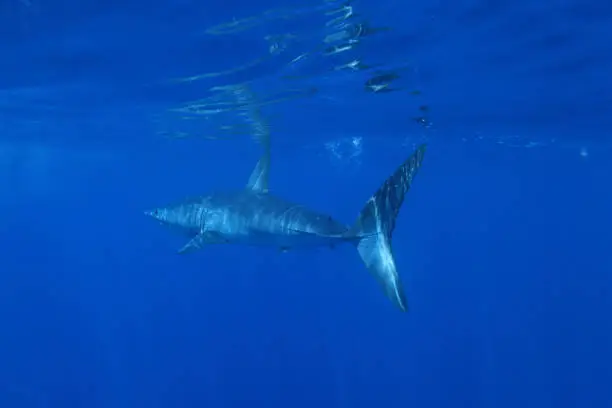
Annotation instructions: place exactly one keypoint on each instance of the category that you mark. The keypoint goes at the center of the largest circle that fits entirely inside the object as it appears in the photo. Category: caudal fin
(375, 225)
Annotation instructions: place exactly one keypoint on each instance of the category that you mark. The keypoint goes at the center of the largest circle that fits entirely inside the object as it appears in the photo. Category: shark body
(253, 216)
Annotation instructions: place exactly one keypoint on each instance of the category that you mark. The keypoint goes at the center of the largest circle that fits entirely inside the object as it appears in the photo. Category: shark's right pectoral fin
(200, 240)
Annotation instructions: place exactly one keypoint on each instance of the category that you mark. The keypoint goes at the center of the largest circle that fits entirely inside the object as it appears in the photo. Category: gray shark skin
(253, 216)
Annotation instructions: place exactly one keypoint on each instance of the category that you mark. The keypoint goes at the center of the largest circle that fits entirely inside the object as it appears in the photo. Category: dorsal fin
(261, 133)
(259, 177)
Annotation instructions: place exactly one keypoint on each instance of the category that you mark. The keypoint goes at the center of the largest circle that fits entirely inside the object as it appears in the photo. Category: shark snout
(153, 213)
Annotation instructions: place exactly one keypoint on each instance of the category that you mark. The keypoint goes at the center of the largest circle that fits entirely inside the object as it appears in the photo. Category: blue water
(503, 242)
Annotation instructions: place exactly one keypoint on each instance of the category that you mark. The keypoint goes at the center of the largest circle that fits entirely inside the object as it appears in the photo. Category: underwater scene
(290, 203)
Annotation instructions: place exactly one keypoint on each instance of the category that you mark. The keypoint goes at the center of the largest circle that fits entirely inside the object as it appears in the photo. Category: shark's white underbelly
(291, 240)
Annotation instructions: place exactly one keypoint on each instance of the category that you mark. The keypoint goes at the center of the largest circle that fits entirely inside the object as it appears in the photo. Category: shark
(254, 216)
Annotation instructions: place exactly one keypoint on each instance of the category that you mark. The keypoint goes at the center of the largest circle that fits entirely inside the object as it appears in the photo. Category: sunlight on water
(322, 51)
(31, 170)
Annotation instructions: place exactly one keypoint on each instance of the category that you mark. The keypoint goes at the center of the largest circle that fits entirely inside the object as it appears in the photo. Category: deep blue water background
(503, 243)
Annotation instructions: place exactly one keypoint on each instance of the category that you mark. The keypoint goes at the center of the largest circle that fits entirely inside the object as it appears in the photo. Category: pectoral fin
(200, 240)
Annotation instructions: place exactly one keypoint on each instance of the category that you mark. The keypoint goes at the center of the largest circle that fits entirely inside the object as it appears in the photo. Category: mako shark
(254, 216)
